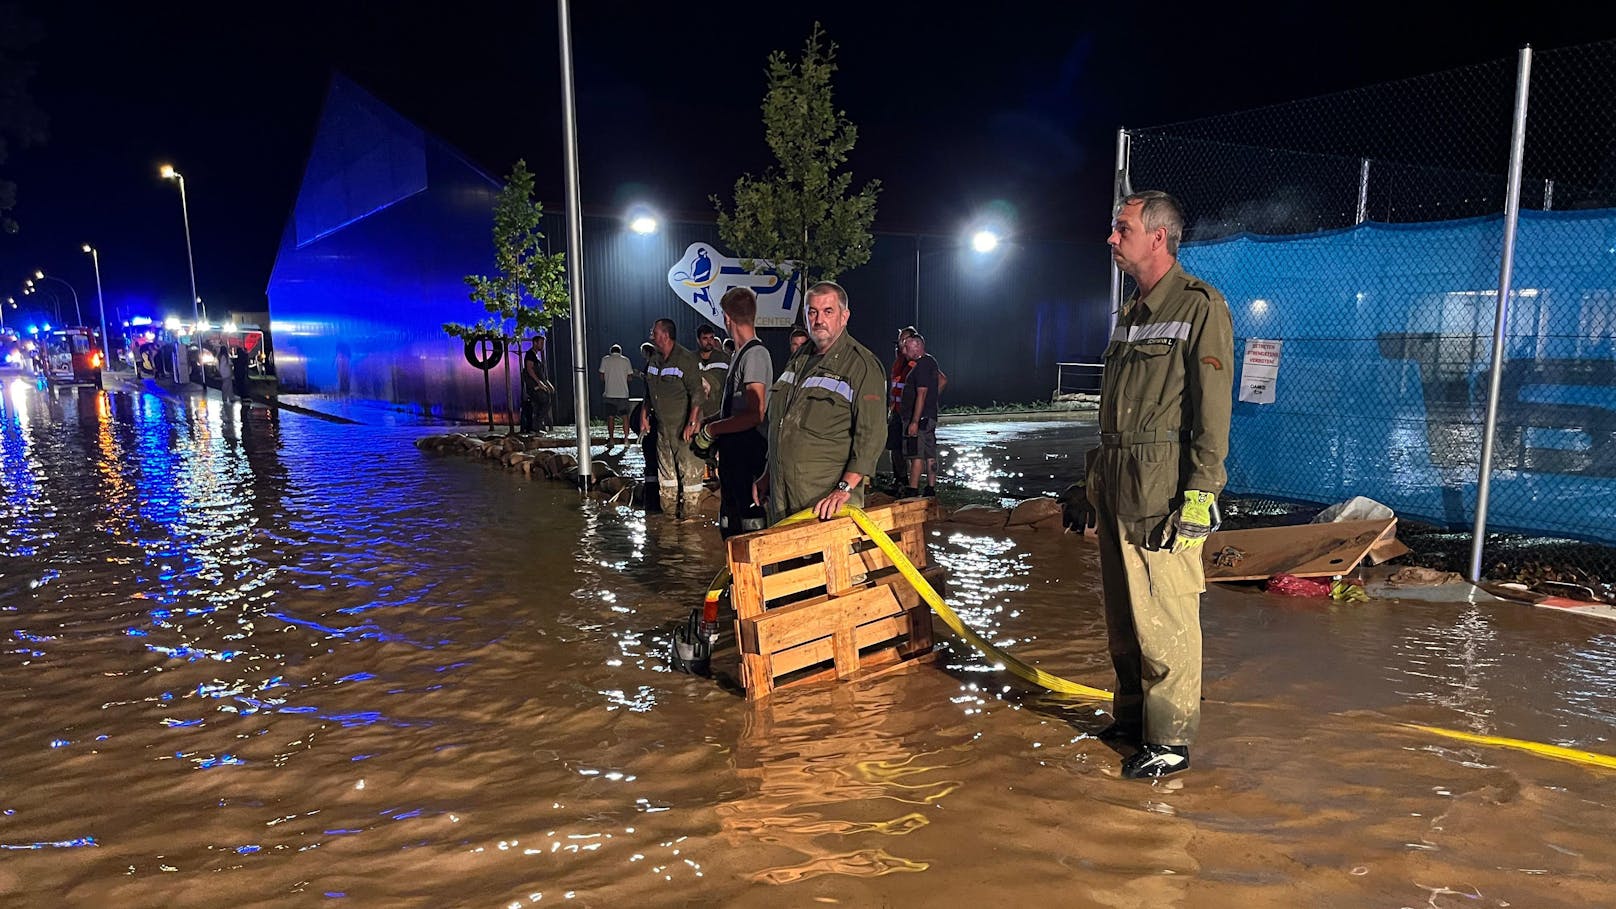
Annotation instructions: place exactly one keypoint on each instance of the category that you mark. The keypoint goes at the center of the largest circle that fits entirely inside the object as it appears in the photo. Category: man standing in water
(739, 432)
(827, 416)
(673, 388)
(1164, 431)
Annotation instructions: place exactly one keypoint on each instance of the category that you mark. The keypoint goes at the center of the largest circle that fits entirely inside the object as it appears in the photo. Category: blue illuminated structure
(389, 220)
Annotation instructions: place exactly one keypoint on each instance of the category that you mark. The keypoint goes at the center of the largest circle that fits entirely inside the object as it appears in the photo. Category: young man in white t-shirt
(614, 372)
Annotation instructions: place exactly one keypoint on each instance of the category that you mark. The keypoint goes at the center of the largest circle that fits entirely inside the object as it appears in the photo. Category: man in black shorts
(615, 370)
(917, 410)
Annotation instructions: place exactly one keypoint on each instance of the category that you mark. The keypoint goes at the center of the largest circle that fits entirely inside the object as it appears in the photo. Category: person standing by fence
(1164, 432)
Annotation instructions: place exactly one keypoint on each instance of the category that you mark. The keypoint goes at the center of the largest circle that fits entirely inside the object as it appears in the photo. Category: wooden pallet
(821, 592)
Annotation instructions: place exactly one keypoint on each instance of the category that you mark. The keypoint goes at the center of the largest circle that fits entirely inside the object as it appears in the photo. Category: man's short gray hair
(828, 287)
(1158, 210)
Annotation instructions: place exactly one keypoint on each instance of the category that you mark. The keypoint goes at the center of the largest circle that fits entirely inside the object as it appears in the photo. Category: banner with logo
(1259, 371)
(703, 276)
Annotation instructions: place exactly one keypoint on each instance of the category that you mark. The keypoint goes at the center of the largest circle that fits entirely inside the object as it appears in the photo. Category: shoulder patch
(1213, 362)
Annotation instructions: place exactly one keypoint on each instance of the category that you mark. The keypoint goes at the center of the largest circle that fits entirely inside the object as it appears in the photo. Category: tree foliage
(528, 290)
(20, 120)
(802, 214)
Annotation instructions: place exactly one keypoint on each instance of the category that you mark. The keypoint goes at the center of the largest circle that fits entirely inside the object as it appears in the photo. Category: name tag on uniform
(1155, 345)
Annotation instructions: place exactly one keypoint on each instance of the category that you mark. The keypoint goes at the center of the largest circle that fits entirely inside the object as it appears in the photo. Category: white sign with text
(1259, 371)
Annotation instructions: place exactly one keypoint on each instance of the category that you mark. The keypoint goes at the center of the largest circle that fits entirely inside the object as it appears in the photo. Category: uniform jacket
(1165, 402)
(714, 371)
(674, 385)
(826, 418)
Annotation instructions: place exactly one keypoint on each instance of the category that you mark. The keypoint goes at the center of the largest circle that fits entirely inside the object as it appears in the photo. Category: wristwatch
(841, 486)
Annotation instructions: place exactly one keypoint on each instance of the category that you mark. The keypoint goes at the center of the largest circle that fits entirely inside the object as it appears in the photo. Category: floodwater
(265, 660)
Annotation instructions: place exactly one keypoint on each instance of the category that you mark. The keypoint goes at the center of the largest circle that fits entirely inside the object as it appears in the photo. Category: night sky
(1012, 103)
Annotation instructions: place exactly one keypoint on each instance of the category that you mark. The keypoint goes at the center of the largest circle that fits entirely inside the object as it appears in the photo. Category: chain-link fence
(1358, 238)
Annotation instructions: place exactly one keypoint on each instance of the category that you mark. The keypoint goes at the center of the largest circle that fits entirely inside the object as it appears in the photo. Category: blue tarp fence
(1381, 388)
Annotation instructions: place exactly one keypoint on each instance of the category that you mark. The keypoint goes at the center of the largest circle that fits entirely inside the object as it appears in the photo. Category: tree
(529, 288)
(800, 214)
(20, 120)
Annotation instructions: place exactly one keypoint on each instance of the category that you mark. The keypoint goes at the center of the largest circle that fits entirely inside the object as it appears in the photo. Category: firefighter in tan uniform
(827, 416)
(1164, 431)
(673, 388)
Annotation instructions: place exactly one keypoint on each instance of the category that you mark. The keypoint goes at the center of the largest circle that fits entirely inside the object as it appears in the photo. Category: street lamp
(984, 241)
(77, 315)
(642, 221)
(101, 301)
(11, 302)
(167, 172)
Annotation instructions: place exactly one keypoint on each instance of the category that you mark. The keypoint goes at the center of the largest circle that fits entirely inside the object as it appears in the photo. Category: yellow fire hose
(1063, 686)
(1557, 752)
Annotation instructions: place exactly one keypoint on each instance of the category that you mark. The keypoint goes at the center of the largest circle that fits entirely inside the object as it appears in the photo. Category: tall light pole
(575, 245)
(101, 301)
(11, 302)
(168, 172)
(78, 316)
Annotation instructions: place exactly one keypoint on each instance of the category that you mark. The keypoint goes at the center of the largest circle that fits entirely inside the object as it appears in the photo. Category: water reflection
(251, 657)
(833, 779)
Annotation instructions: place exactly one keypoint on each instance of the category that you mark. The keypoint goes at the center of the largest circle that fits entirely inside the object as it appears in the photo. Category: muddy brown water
(261, 660)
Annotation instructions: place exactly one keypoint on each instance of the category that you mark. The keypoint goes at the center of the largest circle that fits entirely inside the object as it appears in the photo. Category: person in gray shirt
(614, 372)
(738, 431)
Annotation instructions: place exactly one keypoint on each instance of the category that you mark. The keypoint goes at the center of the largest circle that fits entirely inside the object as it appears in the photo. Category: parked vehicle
(73, 357)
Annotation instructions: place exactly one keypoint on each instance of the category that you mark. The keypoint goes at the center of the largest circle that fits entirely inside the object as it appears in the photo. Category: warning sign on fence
(1259, 371)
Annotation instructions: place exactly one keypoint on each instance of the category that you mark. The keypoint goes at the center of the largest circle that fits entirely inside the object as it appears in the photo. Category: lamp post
(11, 302)
(78, 316)
(167, 172)
(101, 302)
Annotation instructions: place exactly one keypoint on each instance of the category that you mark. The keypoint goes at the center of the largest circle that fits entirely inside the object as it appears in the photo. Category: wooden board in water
(1305, 550)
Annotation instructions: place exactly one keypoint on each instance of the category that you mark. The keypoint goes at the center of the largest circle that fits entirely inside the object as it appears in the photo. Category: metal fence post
(1119, 187)
(1512, 217)
(1363, 191)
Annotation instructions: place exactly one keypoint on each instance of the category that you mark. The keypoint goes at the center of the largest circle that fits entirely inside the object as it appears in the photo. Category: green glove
(1195, 521)
(702, 443)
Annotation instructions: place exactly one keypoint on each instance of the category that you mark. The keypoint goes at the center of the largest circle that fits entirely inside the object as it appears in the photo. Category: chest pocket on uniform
(824, 414)
(1146, 366)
